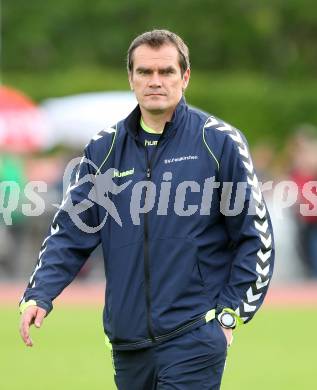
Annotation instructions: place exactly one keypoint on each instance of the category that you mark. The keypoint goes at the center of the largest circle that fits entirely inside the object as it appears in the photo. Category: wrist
(227, 320)
(24, 305)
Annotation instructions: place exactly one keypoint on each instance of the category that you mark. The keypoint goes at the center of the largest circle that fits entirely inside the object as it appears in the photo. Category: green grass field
(276, 351)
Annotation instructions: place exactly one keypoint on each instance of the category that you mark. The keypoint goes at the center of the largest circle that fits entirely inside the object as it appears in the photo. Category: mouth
(155, 94)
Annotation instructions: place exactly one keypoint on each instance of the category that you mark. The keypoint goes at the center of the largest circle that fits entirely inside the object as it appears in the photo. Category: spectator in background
(271, 167)
(303, 153)
(11, 170)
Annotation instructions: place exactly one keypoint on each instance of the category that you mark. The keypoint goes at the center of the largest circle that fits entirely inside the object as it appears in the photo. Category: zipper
(147, 280)
(147, 276)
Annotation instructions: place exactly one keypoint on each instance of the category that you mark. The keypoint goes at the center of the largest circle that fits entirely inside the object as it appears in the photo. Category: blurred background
(63, 79)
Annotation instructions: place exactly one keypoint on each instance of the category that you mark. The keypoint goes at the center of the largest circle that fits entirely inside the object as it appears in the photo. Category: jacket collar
(132, 121)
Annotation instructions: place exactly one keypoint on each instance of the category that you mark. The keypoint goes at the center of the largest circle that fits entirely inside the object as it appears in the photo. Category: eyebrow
(143, 69)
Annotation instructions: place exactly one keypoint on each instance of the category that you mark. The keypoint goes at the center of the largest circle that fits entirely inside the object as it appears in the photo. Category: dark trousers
(192, 361)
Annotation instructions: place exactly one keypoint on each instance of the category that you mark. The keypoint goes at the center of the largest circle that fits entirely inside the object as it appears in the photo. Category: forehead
(149, 57)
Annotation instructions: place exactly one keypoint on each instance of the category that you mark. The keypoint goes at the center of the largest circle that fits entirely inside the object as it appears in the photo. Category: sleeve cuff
(24, 305)
(44, 305)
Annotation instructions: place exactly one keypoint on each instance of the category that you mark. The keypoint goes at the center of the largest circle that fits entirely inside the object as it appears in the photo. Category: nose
(155, 80)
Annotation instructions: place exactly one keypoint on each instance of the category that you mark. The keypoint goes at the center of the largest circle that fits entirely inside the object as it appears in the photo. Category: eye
(167, 71)
(143, 71)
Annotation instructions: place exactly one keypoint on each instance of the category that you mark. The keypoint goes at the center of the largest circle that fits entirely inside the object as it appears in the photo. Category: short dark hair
(156, 39)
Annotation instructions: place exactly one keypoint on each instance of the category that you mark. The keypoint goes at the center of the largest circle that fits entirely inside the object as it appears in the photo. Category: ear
(186, 77)
(130, 80)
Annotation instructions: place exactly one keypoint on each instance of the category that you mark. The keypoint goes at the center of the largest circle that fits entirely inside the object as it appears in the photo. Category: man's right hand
(32, 315)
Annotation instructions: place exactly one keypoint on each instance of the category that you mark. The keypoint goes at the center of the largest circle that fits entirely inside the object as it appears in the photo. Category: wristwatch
(227, 320)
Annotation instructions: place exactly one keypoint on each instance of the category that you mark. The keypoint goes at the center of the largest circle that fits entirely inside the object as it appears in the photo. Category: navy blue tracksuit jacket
(173, 246)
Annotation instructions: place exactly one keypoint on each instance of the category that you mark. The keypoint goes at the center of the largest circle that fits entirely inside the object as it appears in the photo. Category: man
(183, 270)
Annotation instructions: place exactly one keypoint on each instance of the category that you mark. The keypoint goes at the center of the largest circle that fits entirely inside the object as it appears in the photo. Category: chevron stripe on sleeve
(260, 244)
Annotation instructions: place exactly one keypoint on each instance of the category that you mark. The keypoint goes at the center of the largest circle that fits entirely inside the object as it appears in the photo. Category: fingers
(26, 321)
(39, 317)
(228, 334)
(32, 314)
(231, 340)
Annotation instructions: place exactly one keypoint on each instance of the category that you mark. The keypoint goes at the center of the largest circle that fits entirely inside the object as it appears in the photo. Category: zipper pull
(148, 173)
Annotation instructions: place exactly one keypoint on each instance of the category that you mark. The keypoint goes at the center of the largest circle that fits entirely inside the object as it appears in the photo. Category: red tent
(22, 124)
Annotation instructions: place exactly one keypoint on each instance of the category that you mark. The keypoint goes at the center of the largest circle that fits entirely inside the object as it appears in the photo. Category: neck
(156, 121)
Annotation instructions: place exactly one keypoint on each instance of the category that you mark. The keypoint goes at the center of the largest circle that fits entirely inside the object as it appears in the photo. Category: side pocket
(202, 280)
(200, 274)
(211, 336)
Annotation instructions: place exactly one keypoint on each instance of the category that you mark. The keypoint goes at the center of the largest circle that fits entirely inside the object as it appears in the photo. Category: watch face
(227, 319)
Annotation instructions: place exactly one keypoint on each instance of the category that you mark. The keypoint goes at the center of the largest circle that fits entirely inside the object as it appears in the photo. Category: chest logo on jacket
(150, 142)
(129, 172)
(180, 159)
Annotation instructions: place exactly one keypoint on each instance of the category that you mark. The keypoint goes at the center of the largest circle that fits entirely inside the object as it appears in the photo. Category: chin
(155, 108)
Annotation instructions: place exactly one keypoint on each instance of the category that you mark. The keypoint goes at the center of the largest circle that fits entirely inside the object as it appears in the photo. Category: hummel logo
(129, 172)
(150, 143)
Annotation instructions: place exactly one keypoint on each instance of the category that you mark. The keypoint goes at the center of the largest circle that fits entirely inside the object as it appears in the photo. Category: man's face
(156, 78)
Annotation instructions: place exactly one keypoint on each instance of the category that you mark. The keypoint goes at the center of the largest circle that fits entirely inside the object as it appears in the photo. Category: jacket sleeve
(249, 230)
(72, 237)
